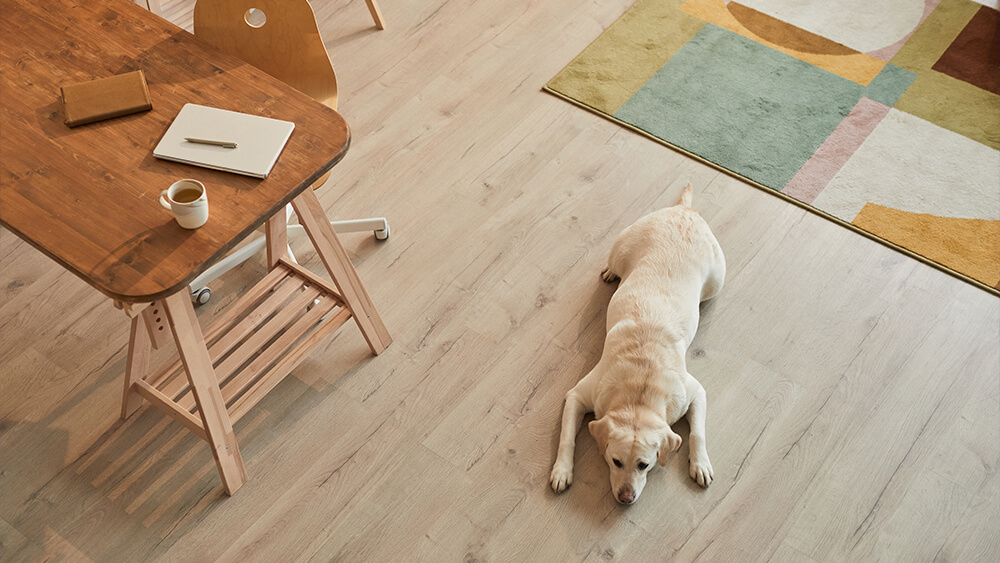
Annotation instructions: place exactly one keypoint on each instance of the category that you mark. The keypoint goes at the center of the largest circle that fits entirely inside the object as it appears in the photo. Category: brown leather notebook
(105, 98)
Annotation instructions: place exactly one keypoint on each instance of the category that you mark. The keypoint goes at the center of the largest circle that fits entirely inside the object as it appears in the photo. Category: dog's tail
(685, 199)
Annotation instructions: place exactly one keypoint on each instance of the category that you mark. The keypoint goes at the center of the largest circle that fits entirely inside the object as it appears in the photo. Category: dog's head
(631, 445)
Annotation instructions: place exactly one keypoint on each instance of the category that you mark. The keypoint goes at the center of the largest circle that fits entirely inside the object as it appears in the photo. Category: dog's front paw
(607, 275)
(701, 471)
(561, 477)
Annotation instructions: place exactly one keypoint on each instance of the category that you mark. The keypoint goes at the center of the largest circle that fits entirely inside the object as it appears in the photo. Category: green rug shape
(752, 110)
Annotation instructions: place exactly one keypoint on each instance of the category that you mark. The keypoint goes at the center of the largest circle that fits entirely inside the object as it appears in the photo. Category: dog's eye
(643, 465)
(618, 464)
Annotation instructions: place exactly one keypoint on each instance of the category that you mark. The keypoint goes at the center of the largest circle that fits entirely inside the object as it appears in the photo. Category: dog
(668, 262)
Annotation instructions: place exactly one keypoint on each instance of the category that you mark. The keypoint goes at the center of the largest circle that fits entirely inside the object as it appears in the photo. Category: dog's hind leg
(613, 271)
(608, 276)
(716, 274)
(618, 258)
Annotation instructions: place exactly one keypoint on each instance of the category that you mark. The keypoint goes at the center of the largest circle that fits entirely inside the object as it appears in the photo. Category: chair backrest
(280, 37)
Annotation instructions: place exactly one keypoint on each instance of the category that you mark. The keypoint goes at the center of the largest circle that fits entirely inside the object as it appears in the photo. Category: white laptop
(259, 140)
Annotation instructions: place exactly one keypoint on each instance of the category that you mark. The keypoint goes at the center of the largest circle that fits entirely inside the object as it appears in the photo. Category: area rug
(883, 115)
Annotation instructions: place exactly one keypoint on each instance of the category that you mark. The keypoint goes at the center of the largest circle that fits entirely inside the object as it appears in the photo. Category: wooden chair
(280, 37)
(151, 5)
(154, 6)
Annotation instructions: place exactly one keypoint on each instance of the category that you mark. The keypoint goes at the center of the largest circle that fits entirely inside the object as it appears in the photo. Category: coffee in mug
(188, 202)
(186, 196)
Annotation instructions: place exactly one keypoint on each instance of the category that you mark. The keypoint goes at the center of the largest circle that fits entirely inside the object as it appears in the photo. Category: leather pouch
(104, 98)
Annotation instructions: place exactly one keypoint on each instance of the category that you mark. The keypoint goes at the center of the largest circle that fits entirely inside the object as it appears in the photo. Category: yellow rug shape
(970, 246)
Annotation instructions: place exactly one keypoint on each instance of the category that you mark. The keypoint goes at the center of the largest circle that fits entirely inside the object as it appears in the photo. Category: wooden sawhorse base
(222, 373)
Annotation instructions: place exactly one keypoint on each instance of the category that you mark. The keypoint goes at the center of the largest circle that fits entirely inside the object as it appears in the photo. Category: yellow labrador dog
(668, 262)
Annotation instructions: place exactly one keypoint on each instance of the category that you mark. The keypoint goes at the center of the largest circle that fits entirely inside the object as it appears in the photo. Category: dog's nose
(626, 497)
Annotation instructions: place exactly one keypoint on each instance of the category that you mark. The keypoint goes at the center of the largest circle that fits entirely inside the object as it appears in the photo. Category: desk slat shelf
(254, 344)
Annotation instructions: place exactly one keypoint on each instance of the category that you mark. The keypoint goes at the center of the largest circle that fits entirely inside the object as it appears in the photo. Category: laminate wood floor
(854, 409)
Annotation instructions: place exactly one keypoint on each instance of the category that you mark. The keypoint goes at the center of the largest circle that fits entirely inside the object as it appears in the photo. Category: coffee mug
(188, 202)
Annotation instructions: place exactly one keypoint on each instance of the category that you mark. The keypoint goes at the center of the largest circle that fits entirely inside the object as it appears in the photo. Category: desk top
(87, 196)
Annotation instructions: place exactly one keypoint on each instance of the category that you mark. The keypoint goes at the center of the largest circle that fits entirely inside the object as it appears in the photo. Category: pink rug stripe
(835, 151)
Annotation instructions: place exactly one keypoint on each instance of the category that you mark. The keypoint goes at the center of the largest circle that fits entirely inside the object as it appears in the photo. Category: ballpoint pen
(225, 144)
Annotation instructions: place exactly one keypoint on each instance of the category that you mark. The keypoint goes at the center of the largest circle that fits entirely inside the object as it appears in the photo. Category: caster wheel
(202, 296)
(382, 234)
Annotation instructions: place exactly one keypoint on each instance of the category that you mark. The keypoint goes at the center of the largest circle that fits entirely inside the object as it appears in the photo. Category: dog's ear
(669, 442)
(600, 429)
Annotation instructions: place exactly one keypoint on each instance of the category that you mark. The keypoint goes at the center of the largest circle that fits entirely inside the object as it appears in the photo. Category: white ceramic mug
(188, 202)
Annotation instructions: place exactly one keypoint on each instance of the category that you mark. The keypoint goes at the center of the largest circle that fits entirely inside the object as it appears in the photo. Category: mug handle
(163, 200)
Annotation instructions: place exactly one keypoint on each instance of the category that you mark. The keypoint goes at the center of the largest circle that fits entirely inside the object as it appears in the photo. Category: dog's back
(671, 242)
(668, 261)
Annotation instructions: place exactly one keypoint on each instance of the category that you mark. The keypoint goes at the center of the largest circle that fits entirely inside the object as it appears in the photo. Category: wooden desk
(87, 197)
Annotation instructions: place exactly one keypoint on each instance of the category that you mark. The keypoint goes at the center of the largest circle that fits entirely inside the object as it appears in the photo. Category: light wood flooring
(853, 392)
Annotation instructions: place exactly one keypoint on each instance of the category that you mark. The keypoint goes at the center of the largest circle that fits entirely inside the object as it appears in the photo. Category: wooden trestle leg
(205, 388)
(338, 264)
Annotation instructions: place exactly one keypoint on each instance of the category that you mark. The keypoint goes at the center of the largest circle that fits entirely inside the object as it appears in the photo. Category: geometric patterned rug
(881, 114)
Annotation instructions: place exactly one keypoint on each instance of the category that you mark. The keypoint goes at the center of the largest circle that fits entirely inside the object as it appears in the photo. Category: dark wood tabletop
(87, 196)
